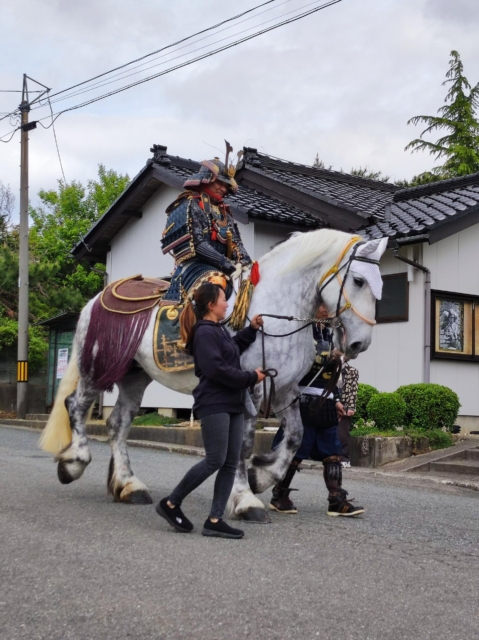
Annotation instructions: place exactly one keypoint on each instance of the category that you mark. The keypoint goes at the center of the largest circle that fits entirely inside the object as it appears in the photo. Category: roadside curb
(353, 473)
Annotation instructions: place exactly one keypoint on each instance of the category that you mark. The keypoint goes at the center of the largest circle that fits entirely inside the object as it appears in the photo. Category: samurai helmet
(211, 170)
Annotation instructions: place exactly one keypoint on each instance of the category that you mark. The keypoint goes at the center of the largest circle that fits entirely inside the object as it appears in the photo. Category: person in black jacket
(219, 404)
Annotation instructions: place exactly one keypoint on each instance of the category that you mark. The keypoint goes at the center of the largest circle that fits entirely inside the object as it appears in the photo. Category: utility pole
(22, 357)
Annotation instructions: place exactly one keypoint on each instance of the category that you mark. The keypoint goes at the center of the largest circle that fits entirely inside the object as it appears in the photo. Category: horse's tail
(57, 433)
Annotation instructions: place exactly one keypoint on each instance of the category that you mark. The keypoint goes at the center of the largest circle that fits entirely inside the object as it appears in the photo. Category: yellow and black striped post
(22, 371)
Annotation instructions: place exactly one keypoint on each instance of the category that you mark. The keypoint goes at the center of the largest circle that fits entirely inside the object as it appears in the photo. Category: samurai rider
(320, 407)
(201, 232)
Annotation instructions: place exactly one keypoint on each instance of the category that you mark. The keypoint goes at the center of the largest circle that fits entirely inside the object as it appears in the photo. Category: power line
(56, 143)
(107, 82)
(208, 54)
(219, 24)
(122, 74)
(8, 134)
(239, 15)
(197, 58)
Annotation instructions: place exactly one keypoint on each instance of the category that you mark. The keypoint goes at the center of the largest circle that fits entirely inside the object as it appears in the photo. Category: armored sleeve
(199, 223)
(242, 255)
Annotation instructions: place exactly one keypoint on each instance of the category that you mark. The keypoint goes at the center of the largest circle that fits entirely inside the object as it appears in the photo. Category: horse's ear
(373, 249)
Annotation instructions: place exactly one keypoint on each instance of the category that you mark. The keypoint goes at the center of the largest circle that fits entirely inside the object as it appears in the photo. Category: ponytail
(196, 309)
(187, 323)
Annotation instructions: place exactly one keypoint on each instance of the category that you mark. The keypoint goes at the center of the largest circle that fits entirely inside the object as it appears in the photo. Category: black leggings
(223, 438)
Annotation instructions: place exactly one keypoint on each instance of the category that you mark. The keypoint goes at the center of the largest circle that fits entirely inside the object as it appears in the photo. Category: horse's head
(351, 293)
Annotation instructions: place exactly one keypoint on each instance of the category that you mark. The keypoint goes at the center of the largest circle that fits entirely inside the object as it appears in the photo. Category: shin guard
(333, 477)
(282, 487)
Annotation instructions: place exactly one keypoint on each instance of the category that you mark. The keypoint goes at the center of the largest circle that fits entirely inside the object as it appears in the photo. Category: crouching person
(321, 409)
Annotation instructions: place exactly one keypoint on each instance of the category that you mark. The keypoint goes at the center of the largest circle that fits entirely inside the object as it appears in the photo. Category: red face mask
(213, 196)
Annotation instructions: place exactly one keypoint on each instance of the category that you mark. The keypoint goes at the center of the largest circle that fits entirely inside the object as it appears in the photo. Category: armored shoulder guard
(177, 236)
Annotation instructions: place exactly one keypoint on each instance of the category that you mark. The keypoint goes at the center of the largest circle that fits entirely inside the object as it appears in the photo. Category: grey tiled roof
(416, 209)
(368, 197)
(388, 209)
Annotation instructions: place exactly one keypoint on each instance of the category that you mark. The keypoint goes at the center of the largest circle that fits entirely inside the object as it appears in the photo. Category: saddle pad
(134, 294)
(169, 356)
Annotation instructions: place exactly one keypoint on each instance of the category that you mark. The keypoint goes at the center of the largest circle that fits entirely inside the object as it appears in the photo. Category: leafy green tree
(57, 282)
(370, 174)
(319, 164)
(362, 172)
(460, 146)
(7, 201)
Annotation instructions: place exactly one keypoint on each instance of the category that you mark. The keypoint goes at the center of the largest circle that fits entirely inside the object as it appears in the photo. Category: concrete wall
(396, 353)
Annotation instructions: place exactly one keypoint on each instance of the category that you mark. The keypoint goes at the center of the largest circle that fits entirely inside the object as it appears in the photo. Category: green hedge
(365, 393)
(388, 410)
(430, 406)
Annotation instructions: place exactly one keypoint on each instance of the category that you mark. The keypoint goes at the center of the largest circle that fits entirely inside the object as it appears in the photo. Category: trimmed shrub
(365, 393)
(430, 406)
(388, 410)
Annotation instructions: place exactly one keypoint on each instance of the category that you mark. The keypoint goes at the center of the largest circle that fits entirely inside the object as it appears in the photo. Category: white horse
(295, 277)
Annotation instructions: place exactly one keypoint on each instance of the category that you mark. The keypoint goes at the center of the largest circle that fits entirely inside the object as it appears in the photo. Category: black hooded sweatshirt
(217, 364)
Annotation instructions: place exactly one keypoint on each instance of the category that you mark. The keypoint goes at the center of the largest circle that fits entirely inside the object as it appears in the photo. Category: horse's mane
(306, 249)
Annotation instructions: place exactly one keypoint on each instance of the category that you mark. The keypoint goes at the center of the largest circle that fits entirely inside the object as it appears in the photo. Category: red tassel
(214, 235)
(254, 277)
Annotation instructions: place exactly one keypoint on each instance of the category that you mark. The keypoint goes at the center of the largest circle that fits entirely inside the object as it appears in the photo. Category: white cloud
(342, 82)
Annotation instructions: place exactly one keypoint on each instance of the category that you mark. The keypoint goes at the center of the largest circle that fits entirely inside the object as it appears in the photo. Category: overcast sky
(342, 82)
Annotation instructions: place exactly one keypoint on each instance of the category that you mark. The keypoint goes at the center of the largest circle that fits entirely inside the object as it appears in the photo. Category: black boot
(280, 500)
(339, 505)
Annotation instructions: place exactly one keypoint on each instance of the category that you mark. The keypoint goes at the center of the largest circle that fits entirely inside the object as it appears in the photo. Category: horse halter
(335, 270)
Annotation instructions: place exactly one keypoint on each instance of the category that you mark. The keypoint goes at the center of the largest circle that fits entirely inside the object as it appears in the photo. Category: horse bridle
(335, 270)
(355, 242)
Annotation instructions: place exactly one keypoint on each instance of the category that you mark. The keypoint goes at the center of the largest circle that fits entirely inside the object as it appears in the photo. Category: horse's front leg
(122, 482)
(268, 469)
(242, 503)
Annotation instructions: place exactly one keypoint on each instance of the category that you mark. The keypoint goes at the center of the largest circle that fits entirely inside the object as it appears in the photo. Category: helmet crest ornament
(212, 170)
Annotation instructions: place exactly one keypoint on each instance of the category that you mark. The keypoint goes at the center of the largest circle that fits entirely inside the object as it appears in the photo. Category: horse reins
(333, 272)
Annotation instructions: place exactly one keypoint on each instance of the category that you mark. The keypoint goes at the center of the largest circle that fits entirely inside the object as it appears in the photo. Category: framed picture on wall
(454, 326)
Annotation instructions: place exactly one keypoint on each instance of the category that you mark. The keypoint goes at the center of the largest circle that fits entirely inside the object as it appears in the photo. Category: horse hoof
(63, 473)
(138, 497)
(254, 515)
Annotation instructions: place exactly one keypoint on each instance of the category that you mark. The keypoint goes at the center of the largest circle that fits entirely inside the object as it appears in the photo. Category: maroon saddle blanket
(134, 294)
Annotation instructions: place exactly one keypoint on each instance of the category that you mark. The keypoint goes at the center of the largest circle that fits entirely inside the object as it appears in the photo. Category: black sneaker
(221, 530)
(174, 516)
(344, 508)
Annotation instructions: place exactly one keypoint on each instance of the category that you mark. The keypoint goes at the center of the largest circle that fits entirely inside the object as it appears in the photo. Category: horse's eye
(358, 282)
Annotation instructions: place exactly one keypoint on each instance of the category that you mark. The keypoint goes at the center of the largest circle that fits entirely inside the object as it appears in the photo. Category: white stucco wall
(395, 356)
(136, 249)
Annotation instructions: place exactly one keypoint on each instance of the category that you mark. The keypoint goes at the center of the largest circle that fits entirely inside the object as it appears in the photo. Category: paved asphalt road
(75, 565)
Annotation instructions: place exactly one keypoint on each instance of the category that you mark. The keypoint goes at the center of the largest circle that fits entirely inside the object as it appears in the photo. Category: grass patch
(154, 420)
(437, 439)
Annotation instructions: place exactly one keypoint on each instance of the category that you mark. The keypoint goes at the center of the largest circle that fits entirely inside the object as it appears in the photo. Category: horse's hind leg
(122, 482)
(74, 459)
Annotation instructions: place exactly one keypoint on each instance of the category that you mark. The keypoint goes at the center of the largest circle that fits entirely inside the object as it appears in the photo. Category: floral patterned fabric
(350, 376)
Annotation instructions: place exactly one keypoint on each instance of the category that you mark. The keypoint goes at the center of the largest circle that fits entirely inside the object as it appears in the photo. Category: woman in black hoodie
(218, 403)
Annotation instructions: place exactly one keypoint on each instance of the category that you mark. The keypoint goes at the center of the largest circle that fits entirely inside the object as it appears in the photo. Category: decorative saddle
(134, 294)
